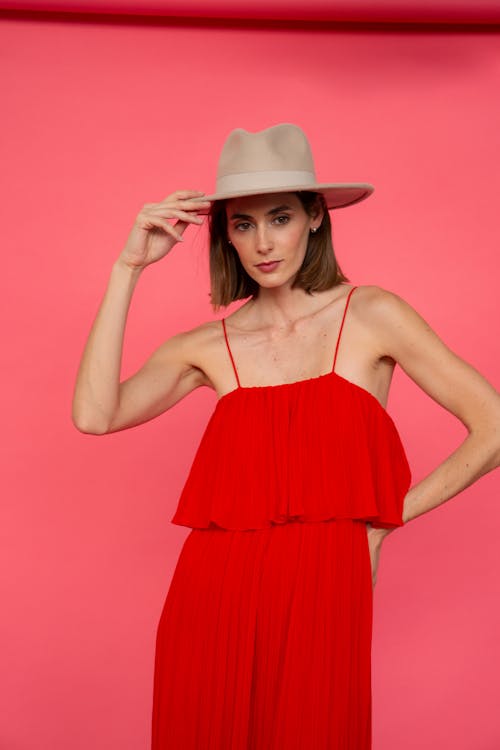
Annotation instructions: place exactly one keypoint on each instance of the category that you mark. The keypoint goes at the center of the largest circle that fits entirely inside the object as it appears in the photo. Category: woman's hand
(375, 539)
(152, 235)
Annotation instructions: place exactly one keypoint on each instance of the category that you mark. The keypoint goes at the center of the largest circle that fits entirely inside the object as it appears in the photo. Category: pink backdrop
(98, 119)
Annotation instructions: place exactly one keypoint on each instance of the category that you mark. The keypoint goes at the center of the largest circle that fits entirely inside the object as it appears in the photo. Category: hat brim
(337, 195)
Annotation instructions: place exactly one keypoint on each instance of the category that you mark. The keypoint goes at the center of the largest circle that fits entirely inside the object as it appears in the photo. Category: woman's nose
(264, 241)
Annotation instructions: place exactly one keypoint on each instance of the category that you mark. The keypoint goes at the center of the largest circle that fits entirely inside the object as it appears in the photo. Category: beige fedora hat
(275, 160)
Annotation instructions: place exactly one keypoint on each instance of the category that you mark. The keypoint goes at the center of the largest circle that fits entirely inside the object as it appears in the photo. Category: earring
(314, 229)
(229, 242)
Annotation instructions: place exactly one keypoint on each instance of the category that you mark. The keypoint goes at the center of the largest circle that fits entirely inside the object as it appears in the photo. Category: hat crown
(274, 160)
(282, 147)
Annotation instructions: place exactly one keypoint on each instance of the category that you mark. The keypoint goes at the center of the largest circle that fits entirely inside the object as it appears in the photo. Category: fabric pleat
(312, 450)
(264, 641)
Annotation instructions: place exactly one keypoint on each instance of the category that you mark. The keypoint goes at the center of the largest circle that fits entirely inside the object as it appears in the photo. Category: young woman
(264, 641)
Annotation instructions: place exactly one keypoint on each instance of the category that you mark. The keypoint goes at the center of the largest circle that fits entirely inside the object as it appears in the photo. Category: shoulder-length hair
(229, 281)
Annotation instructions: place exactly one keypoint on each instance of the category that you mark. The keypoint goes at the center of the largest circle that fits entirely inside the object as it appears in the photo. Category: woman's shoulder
(378, 316)
(200, 335)
(203, 347)
(202, 342)
(389, 320)
(372, 302)
(374, 294)
(383, 302)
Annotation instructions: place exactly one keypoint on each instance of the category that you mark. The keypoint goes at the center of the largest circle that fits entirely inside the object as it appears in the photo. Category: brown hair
(228, 279)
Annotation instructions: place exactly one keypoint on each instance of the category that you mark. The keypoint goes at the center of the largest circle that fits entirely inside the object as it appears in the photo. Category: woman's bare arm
(451, 382)
(101, 403)
(96, 393)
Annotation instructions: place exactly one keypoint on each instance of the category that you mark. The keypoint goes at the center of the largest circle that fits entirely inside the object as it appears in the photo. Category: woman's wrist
(126, 269)
(376, 533)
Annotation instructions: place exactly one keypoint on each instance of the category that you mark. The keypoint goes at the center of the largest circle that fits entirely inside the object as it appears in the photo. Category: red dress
(264, 641)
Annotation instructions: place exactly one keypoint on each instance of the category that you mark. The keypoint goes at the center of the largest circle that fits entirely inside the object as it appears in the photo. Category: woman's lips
(267, 267)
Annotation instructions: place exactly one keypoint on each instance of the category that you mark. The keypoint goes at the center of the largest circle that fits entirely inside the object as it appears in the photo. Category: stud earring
(314, 229)
(229, 242)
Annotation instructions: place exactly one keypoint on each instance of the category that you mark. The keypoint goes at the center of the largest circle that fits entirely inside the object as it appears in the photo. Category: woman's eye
(246, 223)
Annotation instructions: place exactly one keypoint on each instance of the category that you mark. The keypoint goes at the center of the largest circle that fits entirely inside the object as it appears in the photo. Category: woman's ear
(319, 211)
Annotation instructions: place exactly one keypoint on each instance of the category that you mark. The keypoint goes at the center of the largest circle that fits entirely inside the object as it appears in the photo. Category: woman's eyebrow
(276, 210)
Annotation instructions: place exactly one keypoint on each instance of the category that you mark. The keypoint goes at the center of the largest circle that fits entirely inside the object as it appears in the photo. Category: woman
(265, 637)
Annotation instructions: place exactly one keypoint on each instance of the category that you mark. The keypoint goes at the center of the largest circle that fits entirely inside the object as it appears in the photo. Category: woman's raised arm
(98, 394)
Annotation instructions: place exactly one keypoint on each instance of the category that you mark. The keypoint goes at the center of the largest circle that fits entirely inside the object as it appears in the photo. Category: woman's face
(272, 229)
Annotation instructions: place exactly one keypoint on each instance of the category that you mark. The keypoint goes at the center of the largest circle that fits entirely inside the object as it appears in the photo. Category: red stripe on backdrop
(360, 11)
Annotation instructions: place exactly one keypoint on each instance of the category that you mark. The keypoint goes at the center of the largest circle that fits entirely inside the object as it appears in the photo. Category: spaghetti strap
(229, 350)
(341, 326)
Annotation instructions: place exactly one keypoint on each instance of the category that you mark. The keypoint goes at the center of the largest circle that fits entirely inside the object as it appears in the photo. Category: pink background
(99, 118)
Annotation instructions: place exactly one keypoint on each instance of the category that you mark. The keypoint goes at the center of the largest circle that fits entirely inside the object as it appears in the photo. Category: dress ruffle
(311, 450)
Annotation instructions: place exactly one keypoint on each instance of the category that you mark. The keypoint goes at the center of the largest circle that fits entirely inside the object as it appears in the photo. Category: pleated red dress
(264, 641)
